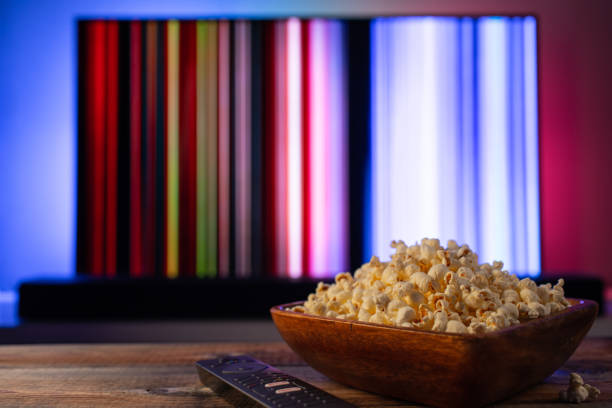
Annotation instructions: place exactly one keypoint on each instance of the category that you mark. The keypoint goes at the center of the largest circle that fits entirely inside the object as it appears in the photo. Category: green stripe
(211, 264)
(202, 149)
(173, 153)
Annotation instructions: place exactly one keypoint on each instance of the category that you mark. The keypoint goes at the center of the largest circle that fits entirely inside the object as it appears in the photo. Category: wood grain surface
(163, 375)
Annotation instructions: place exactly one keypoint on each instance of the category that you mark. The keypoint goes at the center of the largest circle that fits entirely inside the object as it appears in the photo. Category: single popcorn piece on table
(430, 287)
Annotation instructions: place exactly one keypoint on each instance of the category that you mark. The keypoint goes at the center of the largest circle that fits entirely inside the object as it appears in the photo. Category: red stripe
(187, 147)
(111, 147)
(305, 148)
(96, 129)
(151, 131)
(135, 151)
(269, 141)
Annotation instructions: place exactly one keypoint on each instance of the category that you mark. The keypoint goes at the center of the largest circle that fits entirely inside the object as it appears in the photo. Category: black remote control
(245, 382)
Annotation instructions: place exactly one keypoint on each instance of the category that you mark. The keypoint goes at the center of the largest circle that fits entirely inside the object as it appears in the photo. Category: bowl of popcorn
(434, 326)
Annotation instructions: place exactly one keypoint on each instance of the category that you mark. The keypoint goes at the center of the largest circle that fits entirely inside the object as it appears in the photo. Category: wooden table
(163, 375)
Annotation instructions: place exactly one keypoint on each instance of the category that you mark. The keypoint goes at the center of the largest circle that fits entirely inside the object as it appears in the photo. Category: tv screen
(301, 147)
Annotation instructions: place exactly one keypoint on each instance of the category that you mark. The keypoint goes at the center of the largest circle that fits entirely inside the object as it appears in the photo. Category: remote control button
(286, 390)
(276, 384)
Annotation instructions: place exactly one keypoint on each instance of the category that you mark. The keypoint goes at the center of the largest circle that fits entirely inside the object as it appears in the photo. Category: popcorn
(414, 298)
(456, 326)
(405, 315)
(510, 296)
(593, 392)
(578, 391)
(381, 300)
(424, 282)
(430, 287)
(438, 272)
(440, 321)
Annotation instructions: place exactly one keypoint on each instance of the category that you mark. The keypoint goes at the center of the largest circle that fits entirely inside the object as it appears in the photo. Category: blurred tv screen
(301, 147)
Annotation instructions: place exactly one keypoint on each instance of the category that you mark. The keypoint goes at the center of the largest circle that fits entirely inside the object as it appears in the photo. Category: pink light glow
(327, 141)
(319, 134)
(294, 147)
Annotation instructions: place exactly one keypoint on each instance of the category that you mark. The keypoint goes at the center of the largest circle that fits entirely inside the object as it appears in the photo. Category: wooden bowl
(432, 368)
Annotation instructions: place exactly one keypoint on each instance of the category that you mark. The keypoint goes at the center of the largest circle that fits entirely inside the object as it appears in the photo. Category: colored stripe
(429, 144)
(135, 148)
(294, 147)
(517, 146)
(212, 149)
(327, 188)
(232, 153)
(149, 147)
(224, 148)
(187, 147)
(494, 176)
(532, 176)
(110, 222)
(318, 137)
(306, 232)
(269, 151)
(280, 147)
(97, 120)
(206, 253)
(242, 148)
(467, 206)
(380, 143)
(446, 57)
(160, 152)
(123, 150)
(337, 186)
(172, 169)
(203, 176)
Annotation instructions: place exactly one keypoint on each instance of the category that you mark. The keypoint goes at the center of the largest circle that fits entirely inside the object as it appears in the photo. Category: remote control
(244, 381)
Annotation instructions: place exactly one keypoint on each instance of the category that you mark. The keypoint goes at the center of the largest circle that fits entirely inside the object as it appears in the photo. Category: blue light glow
(467, 182)
(532, 177)
(38, 120)
(454, 135)
(494, 141)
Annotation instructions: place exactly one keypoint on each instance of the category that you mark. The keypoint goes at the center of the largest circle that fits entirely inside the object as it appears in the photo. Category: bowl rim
(575, 305)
